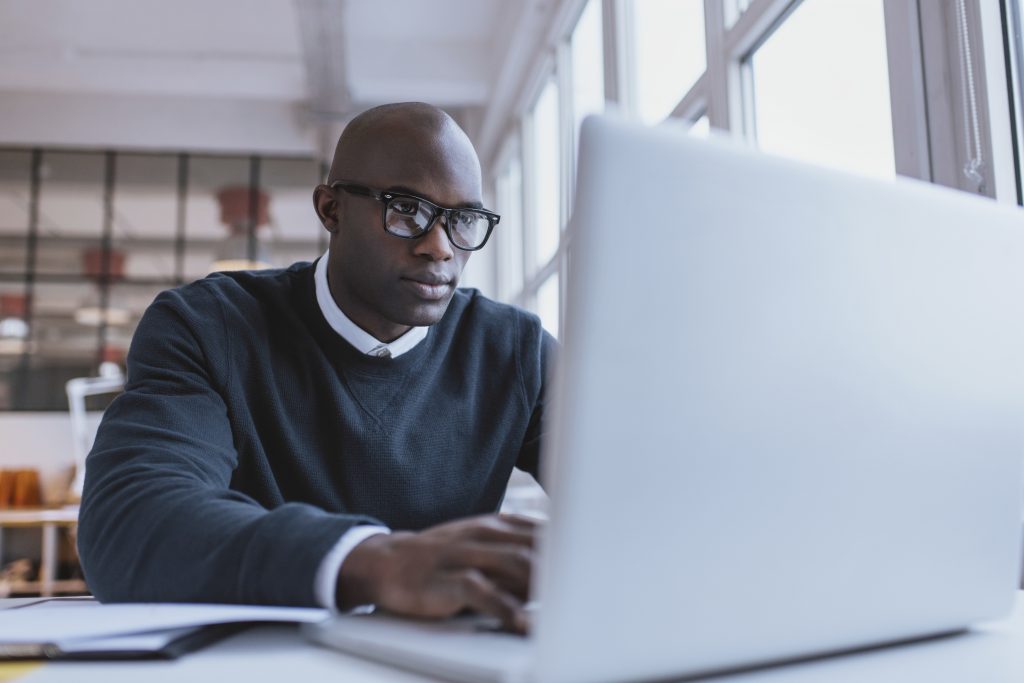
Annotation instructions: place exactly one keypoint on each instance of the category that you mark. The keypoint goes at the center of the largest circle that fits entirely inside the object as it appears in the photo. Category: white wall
(156, 122)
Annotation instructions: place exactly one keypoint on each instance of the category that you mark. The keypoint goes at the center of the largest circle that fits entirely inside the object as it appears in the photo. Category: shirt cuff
(326, 581)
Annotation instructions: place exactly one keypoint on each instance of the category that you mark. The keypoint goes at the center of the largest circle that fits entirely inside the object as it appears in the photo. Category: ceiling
(334, 56)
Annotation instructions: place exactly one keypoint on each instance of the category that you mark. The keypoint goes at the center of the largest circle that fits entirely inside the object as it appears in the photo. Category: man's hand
(481, 563)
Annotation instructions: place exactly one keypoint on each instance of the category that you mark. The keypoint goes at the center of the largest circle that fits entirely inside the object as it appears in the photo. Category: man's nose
(435, 244)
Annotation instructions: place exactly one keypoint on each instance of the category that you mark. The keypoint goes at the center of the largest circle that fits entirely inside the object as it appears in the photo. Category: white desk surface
(990, 653)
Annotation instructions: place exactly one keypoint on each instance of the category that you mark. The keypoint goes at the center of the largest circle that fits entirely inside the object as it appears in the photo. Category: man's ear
(326, 207)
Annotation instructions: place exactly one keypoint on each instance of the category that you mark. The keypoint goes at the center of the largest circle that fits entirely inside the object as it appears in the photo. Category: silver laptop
(789, 422)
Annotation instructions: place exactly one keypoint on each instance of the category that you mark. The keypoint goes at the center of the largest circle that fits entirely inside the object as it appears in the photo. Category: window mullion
(716, 72)
(997, 93)
(694, 103)
(529, 197)
(731, 94)
(615, 18)
(952, 137)
(753, 26)
(566, 130)
(907, 89)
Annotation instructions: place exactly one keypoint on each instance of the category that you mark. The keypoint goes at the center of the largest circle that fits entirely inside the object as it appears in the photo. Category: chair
(109, 381)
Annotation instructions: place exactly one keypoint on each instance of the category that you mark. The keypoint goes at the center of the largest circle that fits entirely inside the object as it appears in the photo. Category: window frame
(106, 282)
(927, 98)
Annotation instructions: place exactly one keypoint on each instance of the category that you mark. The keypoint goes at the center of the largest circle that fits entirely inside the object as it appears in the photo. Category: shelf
(62, 516)
(58, 586)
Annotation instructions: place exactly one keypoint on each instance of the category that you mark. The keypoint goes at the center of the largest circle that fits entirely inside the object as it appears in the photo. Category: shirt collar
(362, 340)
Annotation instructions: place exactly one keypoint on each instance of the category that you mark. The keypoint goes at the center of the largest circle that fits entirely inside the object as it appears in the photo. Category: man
(276, 425)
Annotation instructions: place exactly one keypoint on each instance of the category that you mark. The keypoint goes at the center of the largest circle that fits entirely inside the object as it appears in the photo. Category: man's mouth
(431, 287)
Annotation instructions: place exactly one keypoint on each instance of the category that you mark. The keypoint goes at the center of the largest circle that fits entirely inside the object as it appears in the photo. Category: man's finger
(493, 529)
(510, 565)
(523, 521)
(483, 596)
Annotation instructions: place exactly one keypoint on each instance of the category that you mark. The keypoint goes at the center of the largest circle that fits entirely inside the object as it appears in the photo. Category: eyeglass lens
(407, 217)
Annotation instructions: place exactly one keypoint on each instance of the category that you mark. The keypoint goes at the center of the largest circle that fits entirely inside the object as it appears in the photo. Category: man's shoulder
(236, 289)
(470, 307)
(505, 335)
(481, 325)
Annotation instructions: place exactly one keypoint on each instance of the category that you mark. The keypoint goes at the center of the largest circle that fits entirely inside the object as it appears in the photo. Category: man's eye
(405, 206)
(465, 220)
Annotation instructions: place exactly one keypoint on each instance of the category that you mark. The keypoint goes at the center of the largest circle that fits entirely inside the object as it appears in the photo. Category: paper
(140, 642)
(54, 622)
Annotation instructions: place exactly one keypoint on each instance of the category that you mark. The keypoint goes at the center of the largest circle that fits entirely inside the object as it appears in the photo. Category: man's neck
(383, 332)
(357, 332)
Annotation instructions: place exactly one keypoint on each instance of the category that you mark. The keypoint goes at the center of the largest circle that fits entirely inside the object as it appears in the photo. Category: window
(509, 233)
(808, 79)
(219, 214)
(114, 229)
(71, 210)
(669, 53)
(547, 304)
(146, 214)
(821, 87)
(293, 230)
(587, 65)
(546, 175)
(15, 190)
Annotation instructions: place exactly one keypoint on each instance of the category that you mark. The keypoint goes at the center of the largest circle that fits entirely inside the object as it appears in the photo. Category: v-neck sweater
(250, 437)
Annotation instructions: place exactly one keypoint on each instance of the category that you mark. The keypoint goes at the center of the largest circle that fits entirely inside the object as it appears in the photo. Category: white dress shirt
(327, 573)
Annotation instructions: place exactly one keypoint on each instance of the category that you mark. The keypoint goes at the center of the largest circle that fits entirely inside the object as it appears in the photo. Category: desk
(992, 653)
(47, 519)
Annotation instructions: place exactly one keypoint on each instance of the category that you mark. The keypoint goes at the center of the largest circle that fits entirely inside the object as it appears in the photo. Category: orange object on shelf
(20, 488)
(237, 206)
(13, 305)
(93, 264)
(6, 488)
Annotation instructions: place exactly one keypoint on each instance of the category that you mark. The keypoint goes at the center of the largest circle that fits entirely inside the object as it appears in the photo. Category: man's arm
(330, 566)
(481, 563)
(158, 520)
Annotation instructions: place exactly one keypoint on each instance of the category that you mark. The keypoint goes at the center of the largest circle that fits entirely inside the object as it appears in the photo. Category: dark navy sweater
(251, 436)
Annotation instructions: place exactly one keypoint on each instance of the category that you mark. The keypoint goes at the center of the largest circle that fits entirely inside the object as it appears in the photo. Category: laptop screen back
(790, 411)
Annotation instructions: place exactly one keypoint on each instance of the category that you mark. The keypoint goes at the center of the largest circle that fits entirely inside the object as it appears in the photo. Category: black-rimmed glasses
(409, 217)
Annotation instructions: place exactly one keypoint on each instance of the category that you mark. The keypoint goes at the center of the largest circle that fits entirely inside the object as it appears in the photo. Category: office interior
(146, 144)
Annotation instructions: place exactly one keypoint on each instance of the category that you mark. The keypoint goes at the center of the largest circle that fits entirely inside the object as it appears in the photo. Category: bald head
(405, 133)
(384, 282)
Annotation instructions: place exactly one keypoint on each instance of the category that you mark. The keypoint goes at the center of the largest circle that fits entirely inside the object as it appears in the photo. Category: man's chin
(427, 313)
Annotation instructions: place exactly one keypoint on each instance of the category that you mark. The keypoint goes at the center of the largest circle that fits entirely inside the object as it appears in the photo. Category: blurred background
(145, 144)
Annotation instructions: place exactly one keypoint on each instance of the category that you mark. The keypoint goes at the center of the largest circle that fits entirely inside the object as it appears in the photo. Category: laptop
(789, 420)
